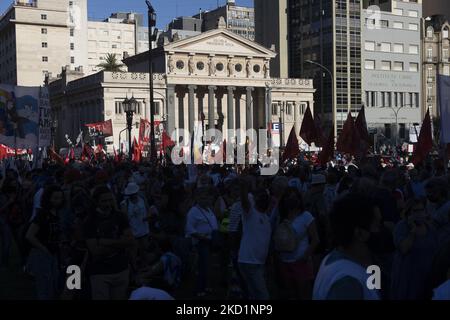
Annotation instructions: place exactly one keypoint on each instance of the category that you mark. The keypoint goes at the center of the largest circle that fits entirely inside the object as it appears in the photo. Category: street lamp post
(333, 104)
(129, 107)
(120, 141)
(396, 112)
(151, 38)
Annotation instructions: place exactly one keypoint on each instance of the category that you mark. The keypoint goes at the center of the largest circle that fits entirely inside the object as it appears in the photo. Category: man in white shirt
(138, 214)
(200, 225)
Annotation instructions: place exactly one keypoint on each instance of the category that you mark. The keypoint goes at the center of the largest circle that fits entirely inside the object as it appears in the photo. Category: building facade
(328, 33)
(239, 19)
(218, 74)
(392, 69)
(435, 60)
(179, 29)
(41, 36)
(113, 36)
(271, 31)
(34, 40)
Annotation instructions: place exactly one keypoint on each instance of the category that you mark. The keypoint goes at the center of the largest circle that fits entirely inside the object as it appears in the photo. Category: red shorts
(297, 273)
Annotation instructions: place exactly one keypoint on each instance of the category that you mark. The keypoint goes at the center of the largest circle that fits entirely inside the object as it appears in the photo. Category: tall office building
(36, 38)
(239, 19)
(119, 35)
(325, 32)
(271, 30)
(435, 59)
(328, 33)
(392, 68)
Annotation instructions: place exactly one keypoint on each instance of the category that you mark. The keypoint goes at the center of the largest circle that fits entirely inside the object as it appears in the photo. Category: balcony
(431, 59)
(431, 79)
(431, 99)
(25, 3)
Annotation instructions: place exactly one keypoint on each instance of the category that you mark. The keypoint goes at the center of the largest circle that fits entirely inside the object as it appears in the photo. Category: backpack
(285, 238)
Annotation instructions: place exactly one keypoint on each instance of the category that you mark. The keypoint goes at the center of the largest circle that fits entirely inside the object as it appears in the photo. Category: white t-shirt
(147, 293)
(300, 226)
(137, 213)
(200, 221)
(256, 233)
(442, 292)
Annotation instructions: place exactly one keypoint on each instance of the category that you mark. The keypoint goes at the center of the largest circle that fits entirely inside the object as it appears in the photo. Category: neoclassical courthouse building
(219, 73)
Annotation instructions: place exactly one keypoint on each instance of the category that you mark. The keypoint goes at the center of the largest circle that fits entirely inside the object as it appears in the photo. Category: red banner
(6, 152)
(144, 132)
(101, 128)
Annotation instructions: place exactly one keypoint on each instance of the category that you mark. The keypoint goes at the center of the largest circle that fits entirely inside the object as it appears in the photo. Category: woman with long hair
(46, 239)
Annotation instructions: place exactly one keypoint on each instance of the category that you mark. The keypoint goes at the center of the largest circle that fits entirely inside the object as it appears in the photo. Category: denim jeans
(6, 240)
(253, 275)
(110, 286)
(45, 269)
(203, 252)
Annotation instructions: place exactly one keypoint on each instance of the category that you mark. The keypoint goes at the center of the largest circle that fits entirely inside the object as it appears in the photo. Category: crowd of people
(161, 232)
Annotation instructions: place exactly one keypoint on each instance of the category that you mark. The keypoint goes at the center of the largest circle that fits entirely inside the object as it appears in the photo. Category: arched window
(445, 33)
(430, 32)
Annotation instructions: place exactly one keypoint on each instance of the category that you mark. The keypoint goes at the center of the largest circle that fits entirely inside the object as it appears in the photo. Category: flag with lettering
(100, 129)
(144, 133)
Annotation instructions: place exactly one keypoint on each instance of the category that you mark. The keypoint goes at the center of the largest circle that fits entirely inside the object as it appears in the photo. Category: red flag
(87, 152)
(116, 156)
(363, 133)
(102, 128)
(67, 160)
(425, 141)
(144, 132)
(224, 151)
(348, 141)
(308, 131)
(136, 151)
(292, 150)
(56, 157)
(3, 152)
(320, 135)
(166, 140)
(328, 149)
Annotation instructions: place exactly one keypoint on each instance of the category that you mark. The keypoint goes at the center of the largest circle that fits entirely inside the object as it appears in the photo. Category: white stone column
(249, 108)
(230, 111)
(171, 109)
(297, 120)
(211, 107)
(191, 89)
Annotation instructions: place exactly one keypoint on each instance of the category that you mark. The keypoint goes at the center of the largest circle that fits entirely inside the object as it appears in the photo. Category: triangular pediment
(220, 42)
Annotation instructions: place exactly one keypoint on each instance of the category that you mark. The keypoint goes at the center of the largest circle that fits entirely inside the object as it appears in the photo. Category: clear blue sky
(166, 9)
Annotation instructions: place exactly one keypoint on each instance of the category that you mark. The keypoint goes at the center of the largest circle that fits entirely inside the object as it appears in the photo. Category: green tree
(111, 64)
